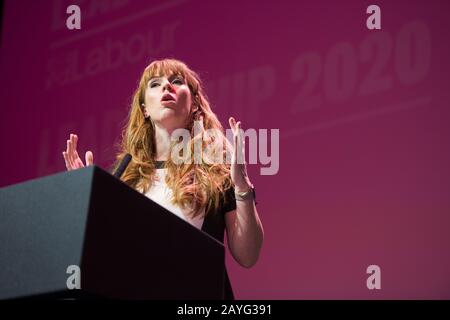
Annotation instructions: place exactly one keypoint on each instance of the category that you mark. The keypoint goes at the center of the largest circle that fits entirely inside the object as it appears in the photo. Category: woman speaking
(214, 196)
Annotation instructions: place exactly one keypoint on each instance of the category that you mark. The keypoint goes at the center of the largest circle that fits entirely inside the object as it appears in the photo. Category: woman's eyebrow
(155, 78)
(170, 77)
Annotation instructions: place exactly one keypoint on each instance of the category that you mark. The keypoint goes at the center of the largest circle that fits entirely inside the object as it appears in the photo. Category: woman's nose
(168, 85)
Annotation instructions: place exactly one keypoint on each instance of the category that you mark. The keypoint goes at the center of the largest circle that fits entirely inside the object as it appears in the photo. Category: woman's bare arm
(245, 233)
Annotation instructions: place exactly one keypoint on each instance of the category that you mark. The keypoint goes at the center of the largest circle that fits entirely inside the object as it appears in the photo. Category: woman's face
(168, 101)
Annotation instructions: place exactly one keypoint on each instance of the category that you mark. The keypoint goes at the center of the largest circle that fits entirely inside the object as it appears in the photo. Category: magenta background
(363, 180)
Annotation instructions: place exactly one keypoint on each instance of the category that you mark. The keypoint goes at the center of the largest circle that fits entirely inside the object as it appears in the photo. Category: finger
(73, 151)
(89, 158)
(67, 148)
(75, 142)
(72, 154)
(72, 142)
(77, 158)
(78, 161)
(240, 144)
(232, 123)
(239, 132)
(241, 135)
(73, 157)
(66, 161)
(70, 146)
(235, 147)
(69, 153)
(66, 154)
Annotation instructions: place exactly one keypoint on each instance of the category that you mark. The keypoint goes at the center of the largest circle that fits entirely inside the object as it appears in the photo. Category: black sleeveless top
(214, 225)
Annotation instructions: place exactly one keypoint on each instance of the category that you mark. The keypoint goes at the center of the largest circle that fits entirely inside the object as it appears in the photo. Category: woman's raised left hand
(238, 166)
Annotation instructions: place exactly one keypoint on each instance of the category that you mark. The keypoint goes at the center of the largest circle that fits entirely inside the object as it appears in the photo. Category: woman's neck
(162, 138)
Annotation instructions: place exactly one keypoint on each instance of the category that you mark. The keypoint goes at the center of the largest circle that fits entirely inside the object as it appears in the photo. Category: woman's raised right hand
(71, 157)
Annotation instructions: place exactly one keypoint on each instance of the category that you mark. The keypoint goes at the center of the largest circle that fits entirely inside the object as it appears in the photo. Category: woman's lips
(167, 97)
(167, 102)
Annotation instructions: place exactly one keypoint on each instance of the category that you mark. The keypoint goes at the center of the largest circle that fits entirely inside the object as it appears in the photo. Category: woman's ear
(144, 111)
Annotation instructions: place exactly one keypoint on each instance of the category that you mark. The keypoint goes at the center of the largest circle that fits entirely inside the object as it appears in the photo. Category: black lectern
(125, 245)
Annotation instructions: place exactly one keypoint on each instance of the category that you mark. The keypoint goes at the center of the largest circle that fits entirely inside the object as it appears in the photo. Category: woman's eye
(178, 80)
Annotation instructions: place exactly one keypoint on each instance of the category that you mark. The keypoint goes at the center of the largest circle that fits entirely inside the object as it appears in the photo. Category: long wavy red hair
(194, 186)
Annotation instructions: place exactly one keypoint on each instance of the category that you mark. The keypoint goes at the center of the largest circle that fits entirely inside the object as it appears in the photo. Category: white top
(162, 194)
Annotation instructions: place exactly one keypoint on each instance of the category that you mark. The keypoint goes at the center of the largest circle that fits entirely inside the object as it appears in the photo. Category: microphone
(123, 165)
